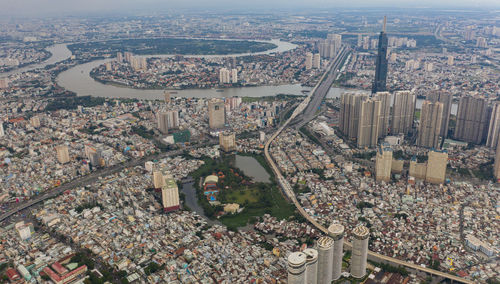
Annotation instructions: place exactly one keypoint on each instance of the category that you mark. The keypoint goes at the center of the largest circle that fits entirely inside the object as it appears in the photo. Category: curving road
(89, 179)
(303, 114)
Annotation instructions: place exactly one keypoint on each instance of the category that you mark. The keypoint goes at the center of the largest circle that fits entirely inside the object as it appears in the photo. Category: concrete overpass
(300, 116)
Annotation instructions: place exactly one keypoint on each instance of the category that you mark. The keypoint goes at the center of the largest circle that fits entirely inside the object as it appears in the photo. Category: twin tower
(324, 264)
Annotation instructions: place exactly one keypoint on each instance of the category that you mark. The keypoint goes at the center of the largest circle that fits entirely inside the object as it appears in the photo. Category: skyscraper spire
(379, 84)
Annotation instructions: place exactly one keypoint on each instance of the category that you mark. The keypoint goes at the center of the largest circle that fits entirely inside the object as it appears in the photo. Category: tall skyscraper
(359, 251)
(385, 108)
(368, 129)
(494, 126)
(325, 260)
(472, 120)
(169, 194)
(311, 265)
(62, 154)
(380, 82)
(309, 61)
(403, 111)
(216, 113)
(430, 124)
(447, 100)
(336, 232)
(296, 268)
(383, 163)
(349, 114)
(436, 167)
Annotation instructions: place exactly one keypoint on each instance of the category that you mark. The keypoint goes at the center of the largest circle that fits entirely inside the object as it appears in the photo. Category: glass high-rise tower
(380, 82)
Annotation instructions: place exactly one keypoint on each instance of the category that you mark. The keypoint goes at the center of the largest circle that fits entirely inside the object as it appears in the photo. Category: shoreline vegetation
(178, 46)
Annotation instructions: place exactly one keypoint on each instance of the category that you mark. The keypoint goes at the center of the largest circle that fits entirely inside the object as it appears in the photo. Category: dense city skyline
(283, 142)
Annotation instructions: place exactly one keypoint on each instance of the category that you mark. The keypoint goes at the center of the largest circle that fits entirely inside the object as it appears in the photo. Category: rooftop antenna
(385, 22)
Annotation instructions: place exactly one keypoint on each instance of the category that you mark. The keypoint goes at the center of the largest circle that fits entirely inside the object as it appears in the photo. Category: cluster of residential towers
(323, 264)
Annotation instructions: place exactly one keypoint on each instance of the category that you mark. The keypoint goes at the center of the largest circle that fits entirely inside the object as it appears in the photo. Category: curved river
(78, 80)
(59, 52)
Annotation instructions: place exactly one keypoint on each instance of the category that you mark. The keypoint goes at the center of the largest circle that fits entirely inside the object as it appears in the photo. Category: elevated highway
(303, 114)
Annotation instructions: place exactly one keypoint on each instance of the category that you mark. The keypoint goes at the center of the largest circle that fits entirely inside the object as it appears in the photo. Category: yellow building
(397, 166)
(227, 141)
(383, 163)
(417, 170)
(62, 154)
(436, 167)
(170, 194)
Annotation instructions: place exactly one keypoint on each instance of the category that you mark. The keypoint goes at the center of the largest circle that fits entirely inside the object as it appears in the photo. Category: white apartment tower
(311, 265)
(359, 251)
(336, 232)
(325, 260)
(297, 268)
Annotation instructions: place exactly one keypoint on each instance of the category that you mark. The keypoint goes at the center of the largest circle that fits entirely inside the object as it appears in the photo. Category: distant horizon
(129, 7)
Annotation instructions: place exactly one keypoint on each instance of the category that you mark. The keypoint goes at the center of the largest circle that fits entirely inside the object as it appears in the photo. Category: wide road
(300, 116)
(321, 90)
(89, 179)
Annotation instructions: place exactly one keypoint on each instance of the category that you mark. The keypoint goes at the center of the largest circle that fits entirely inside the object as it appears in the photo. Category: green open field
(275, 205)
(257, 198)
(249, 195)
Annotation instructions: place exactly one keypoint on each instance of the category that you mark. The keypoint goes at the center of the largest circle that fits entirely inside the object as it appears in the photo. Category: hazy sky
(16, 7)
